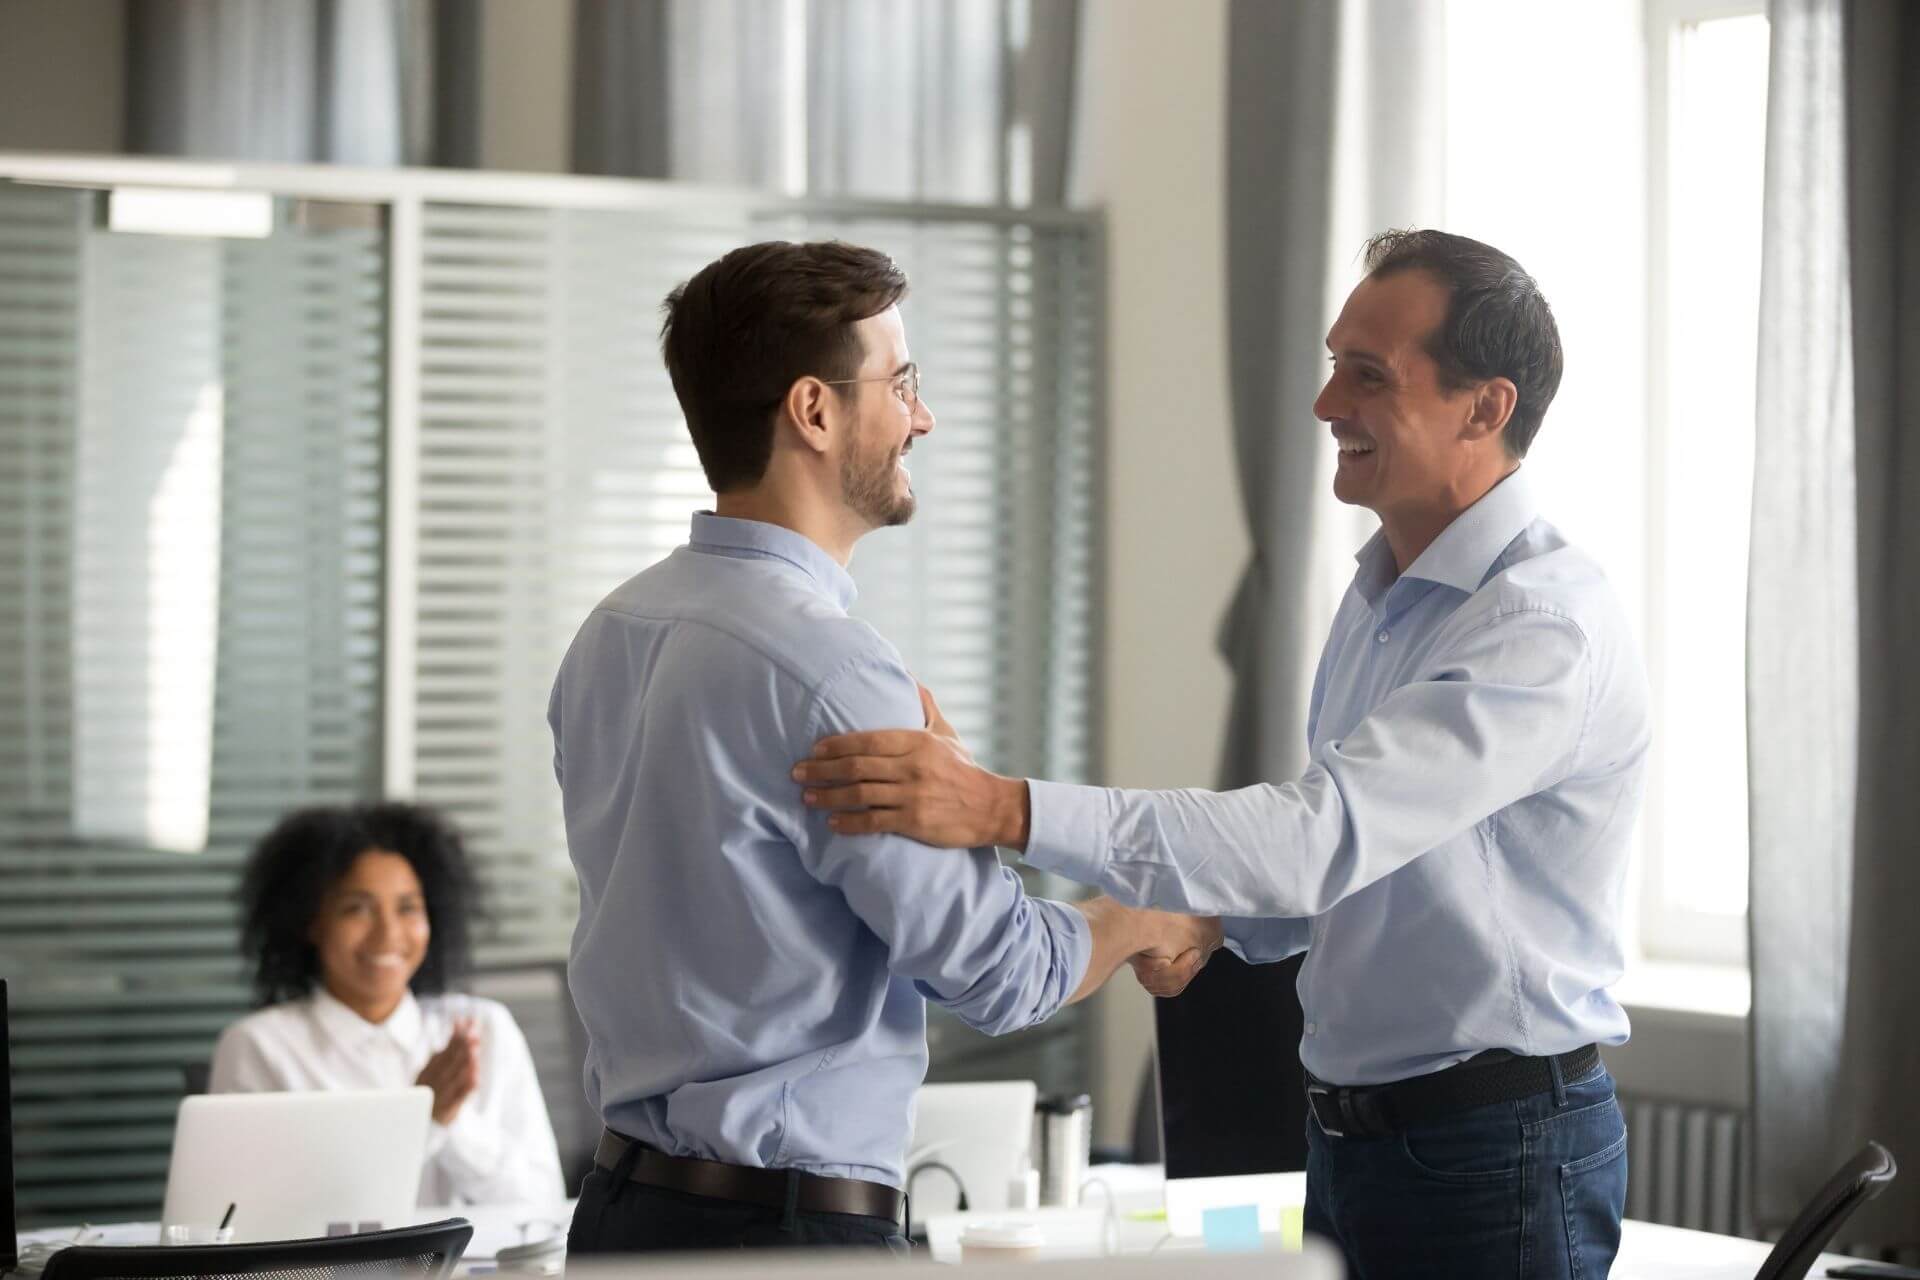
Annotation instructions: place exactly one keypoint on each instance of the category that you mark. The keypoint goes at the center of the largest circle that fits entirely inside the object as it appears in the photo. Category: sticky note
(1292, 1227)
(1233, 1229)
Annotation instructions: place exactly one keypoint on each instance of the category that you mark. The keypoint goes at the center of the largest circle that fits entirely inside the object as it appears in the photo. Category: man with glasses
(753, 984)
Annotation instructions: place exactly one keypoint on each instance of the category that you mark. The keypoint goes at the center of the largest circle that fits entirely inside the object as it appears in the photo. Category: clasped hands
(1179, 949)
(923, 784)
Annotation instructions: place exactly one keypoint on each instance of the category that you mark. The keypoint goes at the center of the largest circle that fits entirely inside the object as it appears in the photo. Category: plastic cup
(195, 1233)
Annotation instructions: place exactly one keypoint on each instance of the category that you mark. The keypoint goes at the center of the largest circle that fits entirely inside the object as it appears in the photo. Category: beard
(867, 487)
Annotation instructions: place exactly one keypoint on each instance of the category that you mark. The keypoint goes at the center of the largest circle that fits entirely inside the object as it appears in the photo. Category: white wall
(1154, 90)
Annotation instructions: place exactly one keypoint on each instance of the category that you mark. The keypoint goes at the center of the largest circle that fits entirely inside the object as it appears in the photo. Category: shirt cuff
(1068, 830)
(1263, 941)
(1076, 938)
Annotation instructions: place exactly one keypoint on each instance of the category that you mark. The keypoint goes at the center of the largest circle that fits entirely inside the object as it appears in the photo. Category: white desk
(1647, 1251)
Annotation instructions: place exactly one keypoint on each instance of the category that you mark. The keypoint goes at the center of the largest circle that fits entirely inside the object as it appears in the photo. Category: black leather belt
(1375, 1111)
(651, 1168)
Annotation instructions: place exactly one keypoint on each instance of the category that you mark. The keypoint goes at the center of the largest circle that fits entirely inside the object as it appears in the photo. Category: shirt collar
(1465, 550)
(755, 539)
(347, 1028)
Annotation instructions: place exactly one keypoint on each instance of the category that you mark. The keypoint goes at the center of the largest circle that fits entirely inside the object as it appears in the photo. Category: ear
(809, 410)
(1492, 407)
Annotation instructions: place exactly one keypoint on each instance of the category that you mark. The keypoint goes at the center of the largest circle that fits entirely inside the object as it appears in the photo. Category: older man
(1453, 859)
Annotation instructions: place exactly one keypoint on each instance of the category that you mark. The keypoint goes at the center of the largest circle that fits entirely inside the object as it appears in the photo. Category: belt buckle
(1316, 1092)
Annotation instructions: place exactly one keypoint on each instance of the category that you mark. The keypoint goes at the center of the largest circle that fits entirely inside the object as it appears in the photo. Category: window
(1707, 69)
(1617, 151)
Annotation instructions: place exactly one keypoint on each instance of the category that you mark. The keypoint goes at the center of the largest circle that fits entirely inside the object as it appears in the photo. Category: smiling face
(371, 933)
(875, 484)
(1405, 440)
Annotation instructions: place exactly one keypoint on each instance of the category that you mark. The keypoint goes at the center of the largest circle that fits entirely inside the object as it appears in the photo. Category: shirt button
(1310, 1028)
(1382, 637)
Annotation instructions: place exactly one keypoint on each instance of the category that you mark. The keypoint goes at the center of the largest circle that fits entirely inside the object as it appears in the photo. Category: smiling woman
(355, 921)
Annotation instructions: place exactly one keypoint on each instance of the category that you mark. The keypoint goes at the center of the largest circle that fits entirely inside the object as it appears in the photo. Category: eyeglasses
(906, 384)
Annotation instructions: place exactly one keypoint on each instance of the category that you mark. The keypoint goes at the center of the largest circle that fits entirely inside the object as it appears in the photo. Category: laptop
(1231, 1138)
(978, 1135)
(299, 1165)
(9, 1228)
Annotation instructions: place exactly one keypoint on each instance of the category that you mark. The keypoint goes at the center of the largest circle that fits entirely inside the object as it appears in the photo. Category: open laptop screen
(1232, 1093)
(8, 1226)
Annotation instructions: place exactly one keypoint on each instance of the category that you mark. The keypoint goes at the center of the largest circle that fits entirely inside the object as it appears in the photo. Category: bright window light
(168, 212)
(1703, 457)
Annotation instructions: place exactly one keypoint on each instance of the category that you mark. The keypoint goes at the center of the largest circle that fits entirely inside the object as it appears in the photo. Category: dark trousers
(625, 1217)
(1534, 1189)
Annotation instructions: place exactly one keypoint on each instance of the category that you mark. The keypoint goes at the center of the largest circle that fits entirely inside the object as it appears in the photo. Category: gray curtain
(1281, 98)
(620, 88)
(1882, 1063)
(937, 100)
(1290, 146)
(1834, 614)
(303, 81)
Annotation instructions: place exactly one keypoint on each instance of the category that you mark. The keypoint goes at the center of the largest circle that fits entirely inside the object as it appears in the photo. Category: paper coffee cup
(1001, 1242)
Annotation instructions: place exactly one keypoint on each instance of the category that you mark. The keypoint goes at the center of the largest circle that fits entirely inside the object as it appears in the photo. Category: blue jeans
(1532, 1189)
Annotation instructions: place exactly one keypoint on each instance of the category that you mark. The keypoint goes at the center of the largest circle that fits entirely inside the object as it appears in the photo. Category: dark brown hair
(745, 328)
(1498, 325)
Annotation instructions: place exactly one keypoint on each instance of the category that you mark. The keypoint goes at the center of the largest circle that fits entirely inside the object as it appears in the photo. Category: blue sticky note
(1234, 1229)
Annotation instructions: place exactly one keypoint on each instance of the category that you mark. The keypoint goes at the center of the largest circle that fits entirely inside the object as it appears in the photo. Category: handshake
(1180, 949)
(1166, 951)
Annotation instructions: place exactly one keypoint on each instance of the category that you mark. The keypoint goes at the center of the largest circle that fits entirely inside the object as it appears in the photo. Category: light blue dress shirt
(1453, 860)
(753, 985)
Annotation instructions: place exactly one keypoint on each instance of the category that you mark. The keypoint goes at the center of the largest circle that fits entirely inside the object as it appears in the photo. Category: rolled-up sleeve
(1498, 717)
(958, 924)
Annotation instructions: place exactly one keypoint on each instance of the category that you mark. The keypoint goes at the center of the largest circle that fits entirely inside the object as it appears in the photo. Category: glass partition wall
(309, 514)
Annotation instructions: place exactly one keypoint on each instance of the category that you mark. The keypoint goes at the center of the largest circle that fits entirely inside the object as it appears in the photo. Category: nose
(1329, 405)
(922, 417)
(384, 925)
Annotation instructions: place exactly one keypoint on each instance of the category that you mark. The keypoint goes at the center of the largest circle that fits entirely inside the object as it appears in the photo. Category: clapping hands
(454, 1072)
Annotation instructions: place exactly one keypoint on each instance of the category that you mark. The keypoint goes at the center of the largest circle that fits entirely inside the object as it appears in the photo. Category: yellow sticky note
(1292, 1227)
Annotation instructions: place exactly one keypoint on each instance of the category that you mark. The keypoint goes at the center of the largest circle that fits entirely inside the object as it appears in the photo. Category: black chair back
(1864, 1177)
(425, 1252)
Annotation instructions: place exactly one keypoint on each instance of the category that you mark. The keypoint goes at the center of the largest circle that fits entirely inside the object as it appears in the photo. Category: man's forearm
(1118, 933)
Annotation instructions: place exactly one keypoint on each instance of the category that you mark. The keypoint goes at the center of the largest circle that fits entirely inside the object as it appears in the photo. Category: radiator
(1687, 1165)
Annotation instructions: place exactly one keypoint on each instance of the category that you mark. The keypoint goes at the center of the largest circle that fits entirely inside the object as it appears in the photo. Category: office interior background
(306, 510)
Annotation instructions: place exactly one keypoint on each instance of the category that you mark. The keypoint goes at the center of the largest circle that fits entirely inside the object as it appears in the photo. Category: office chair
(425, 1252)
(1860, 1180)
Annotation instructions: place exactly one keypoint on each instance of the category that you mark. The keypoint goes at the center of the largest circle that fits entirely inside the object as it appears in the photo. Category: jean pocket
(1482, 1146)
(1593, 1196)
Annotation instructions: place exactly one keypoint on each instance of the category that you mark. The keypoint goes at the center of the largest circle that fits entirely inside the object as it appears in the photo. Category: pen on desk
(227, 1218)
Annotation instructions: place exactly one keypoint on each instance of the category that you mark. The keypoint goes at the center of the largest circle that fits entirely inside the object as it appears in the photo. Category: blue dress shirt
(1453, 860)
(753, 985)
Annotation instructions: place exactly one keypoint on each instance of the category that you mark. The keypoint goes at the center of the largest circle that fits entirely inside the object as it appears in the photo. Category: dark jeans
(1532, 1189)
(630, 1218)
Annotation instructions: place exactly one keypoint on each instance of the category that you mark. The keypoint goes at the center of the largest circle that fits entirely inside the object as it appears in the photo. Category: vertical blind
(207, 653)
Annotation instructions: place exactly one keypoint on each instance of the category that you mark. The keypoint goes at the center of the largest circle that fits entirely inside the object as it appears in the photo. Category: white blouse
(500, 1147)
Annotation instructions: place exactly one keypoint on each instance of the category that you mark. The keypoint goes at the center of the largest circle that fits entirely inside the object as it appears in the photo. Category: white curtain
(286, 81)
(939, 100)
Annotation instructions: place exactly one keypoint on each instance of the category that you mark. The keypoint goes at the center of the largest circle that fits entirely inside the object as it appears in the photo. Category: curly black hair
(289, 872)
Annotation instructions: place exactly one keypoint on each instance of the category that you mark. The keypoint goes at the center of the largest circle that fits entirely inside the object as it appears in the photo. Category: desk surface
(1647, 1251)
